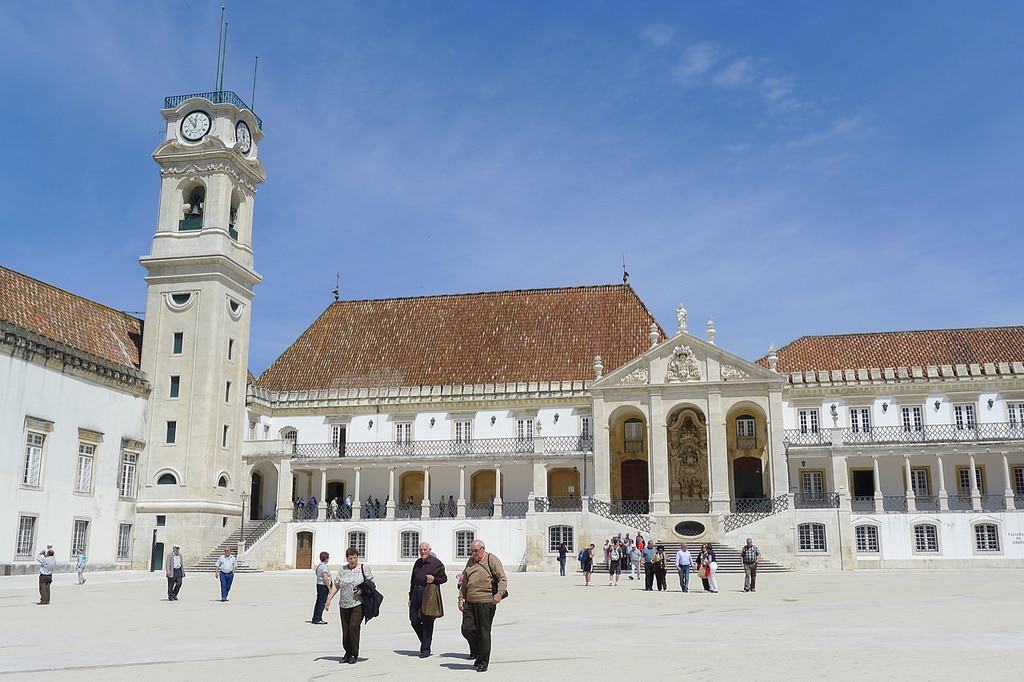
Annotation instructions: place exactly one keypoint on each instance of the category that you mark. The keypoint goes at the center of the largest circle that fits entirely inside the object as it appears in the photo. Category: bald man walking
(484, 585)
(428, 570)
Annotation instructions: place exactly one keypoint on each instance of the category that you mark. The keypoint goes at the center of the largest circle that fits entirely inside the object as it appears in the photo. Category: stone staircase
(729, 560)
(253, 532)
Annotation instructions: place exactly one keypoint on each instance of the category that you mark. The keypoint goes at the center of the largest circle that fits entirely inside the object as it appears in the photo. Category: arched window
(195, 203)
(167, 479)
(291, 436)
(557, 535)
(986, 537)
(811, 537)
(926, 538)
(222, 482)
(867, 538)
(410, 544)
(463, 539)
(357, 539)
(633, 436)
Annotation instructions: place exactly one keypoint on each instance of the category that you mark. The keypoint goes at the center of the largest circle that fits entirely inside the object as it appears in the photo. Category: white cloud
(839, 128)
(658, 35)
(737, 74)
(697, 60)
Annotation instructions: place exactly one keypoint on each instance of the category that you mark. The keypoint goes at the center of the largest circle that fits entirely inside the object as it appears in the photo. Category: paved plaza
(866, 625)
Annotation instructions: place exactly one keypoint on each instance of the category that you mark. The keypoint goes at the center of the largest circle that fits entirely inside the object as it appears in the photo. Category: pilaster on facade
(718, 455)
(425, 502)
(602, 452)
(840, 476)
(497, 492)
(460, 505)
(390, 507)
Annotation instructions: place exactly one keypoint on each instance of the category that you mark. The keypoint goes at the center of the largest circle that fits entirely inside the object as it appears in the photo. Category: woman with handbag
(708, 568)
(425, 604)
(661, 568)
(346, 585)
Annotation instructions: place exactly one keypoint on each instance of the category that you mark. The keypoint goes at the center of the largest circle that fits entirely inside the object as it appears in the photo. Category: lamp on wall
(885, 407)
(556, 417)
(432, 420)
(834, 411)
(370, 425)
(991, 402)
(493, 419)
(937, 403)
(803, 464)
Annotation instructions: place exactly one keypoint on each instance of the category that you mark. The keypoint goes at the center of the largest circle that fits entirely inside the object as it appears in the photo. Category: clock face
(243, 136)
(195, 125)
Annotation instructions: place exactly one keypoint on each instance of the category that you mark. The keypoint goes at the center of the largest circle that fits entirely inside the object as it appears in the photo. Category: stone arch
(748, 454)
(564, 482)
(263, 486)
(688, 475)
(482, 486)
(410, 483)
(629, 453)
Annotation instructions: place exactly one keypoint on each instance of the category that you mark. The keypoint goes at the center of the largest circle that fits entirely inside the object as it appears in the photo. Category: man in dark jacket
(428, 570)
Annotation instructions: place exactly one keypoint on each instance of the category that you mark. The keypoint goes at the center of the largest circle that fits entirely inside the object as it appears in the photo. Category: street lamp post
(244, 496)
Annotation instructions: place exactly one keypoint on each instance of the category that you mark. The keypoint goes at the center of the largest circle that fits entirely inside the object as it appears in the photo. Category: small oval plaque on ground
(690, 528)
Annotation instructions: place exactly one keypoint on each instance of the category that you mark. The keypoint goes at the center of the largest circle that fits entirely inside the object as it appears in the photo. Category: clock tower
(200, 281)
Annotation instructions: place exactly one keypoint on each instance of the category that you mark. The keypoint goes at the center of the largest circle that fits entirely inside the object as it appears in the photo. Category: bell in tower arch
(193, 210)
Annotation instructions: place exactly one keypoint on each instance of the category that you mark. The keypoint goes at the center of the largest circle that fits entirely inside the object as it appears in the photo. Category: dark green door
(157, 561)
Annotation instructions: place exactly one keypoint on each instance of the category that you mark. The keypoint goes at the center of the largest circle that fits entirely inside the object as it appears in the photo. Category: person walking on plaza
(174, 570)
(226, 572)
(587, 563)
(627, 550)
(708, 568)
(425, 604)
(661, 568)
(751, 555)
(650, 550)
(347, 585)
(484, 585)
(323, 588)
(683, 564)
(562, 550)
(47, 565)
(80, 565)
(635, 555)
(614, 562)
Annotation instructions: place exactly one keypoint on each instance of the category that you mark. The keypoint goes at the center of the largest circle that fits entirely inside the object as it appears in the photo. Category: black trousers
(321, 600)
(44, 588)
(476, 628)
(660, 575)
(648, 576)
(422, 625)
(351, 624)
(174, 584)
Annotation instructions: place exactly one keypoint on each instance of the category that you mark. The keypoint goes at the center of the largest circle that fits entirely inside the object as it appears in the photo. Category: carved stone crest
(733, 372)
(640, 375)
(683, 366)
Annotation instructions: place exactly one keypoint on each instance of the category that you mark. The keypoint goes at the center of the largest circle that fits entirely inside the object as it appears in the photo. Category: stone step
(728, 559)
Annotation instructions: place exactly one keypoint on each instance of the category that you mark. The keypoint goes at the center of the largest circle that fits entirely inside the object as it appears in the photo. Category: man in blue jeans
(650, 549)
(226, 572)
(683, 564)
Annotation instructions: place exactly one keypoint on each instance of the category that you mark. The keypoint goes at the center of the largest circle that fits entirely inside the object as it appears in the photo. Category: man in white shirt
(226, 572)
(174, 570)
(684, 562)
(47, 565)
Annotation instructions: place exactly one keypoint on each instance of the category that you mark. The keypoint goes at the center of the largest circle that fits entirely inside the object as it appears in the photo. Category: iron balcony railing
(633, 513)
(558, 504)
(514, 509)
(926, 503)
(895, 435)
(747, 510)
(894, 503)
(862, 503)
(446, 448)
(816, 501)
(219, 97)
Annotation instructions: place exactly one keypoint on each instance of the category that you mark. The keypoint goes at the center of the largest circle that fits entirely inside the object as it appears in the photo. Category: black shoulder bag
(494, 580)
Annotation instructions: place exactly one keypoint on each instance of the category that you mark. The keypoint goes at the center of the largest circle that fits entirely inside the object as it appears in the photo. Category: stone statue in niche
(683, 366)
(688, 455)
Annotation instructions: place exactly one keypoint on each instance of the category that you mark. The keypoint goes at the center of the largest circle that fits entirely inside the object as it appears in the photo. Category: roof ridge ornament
(598, 367)
(773, 359)
(654, 334)
(681, 319)
(711, 331)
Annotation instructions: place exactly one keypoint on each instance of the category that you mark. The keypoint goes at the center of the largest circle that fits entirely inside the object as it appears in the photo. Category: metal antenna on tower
(220, 46)
(625, 275)
(337, 287)
(252, 101)
(223, 59)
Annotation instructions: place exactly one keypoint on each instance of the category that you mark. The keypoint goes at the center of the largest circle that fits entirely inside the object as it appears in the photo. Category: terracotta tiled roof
(902, 349)
(507, 336)
(69, 319)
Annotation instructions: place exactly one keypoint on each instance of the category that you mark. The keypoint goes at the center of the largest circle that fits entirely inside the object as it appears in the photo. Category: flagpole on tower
(220, 46)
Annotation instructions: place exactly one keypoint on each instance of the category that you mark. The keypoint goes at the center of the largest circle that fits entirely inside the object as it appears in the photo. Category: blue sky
(787, 168)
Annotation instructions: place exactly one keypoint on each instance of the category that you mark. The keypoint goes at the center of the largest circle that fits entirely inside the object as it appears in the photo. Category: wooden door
(304, 550)
(747, 477)
(256, 497)
(635, 485)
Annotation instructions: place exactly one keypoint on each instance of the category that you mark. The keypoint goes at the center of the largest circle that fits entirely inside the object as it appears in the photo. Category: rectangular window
(926, 538)
(557, 535)
(963, 479)
(33, 459)
(811, 537)
(919, 482)
(179, 341)
(83, 475)
(357, 539)
(79, 537)
(231, 349)
(963, 416)
(224, 437)
(126, 481)
(172, 433)
(1018, 480)
(812, 482)
(745, 427)
(124, 541)
(227, 392)
(463, 539)
(161, 520)
(403, 433)
(251, 434)
(860, 419)
(986, 537)
(26, 535)
(808, 421)
(633, 436)
(586, 428)
(1015, 411)
(912, 418)
(175, 386)
(867, 538)
(463, 432)
(410, 544)
(524, 429)
(338, 438)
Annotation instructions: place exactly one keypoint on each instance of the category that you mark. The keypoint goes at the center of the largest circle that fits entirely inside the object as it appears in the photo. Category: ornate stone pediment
(640, 375)
(683, 366)
(732, 372)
